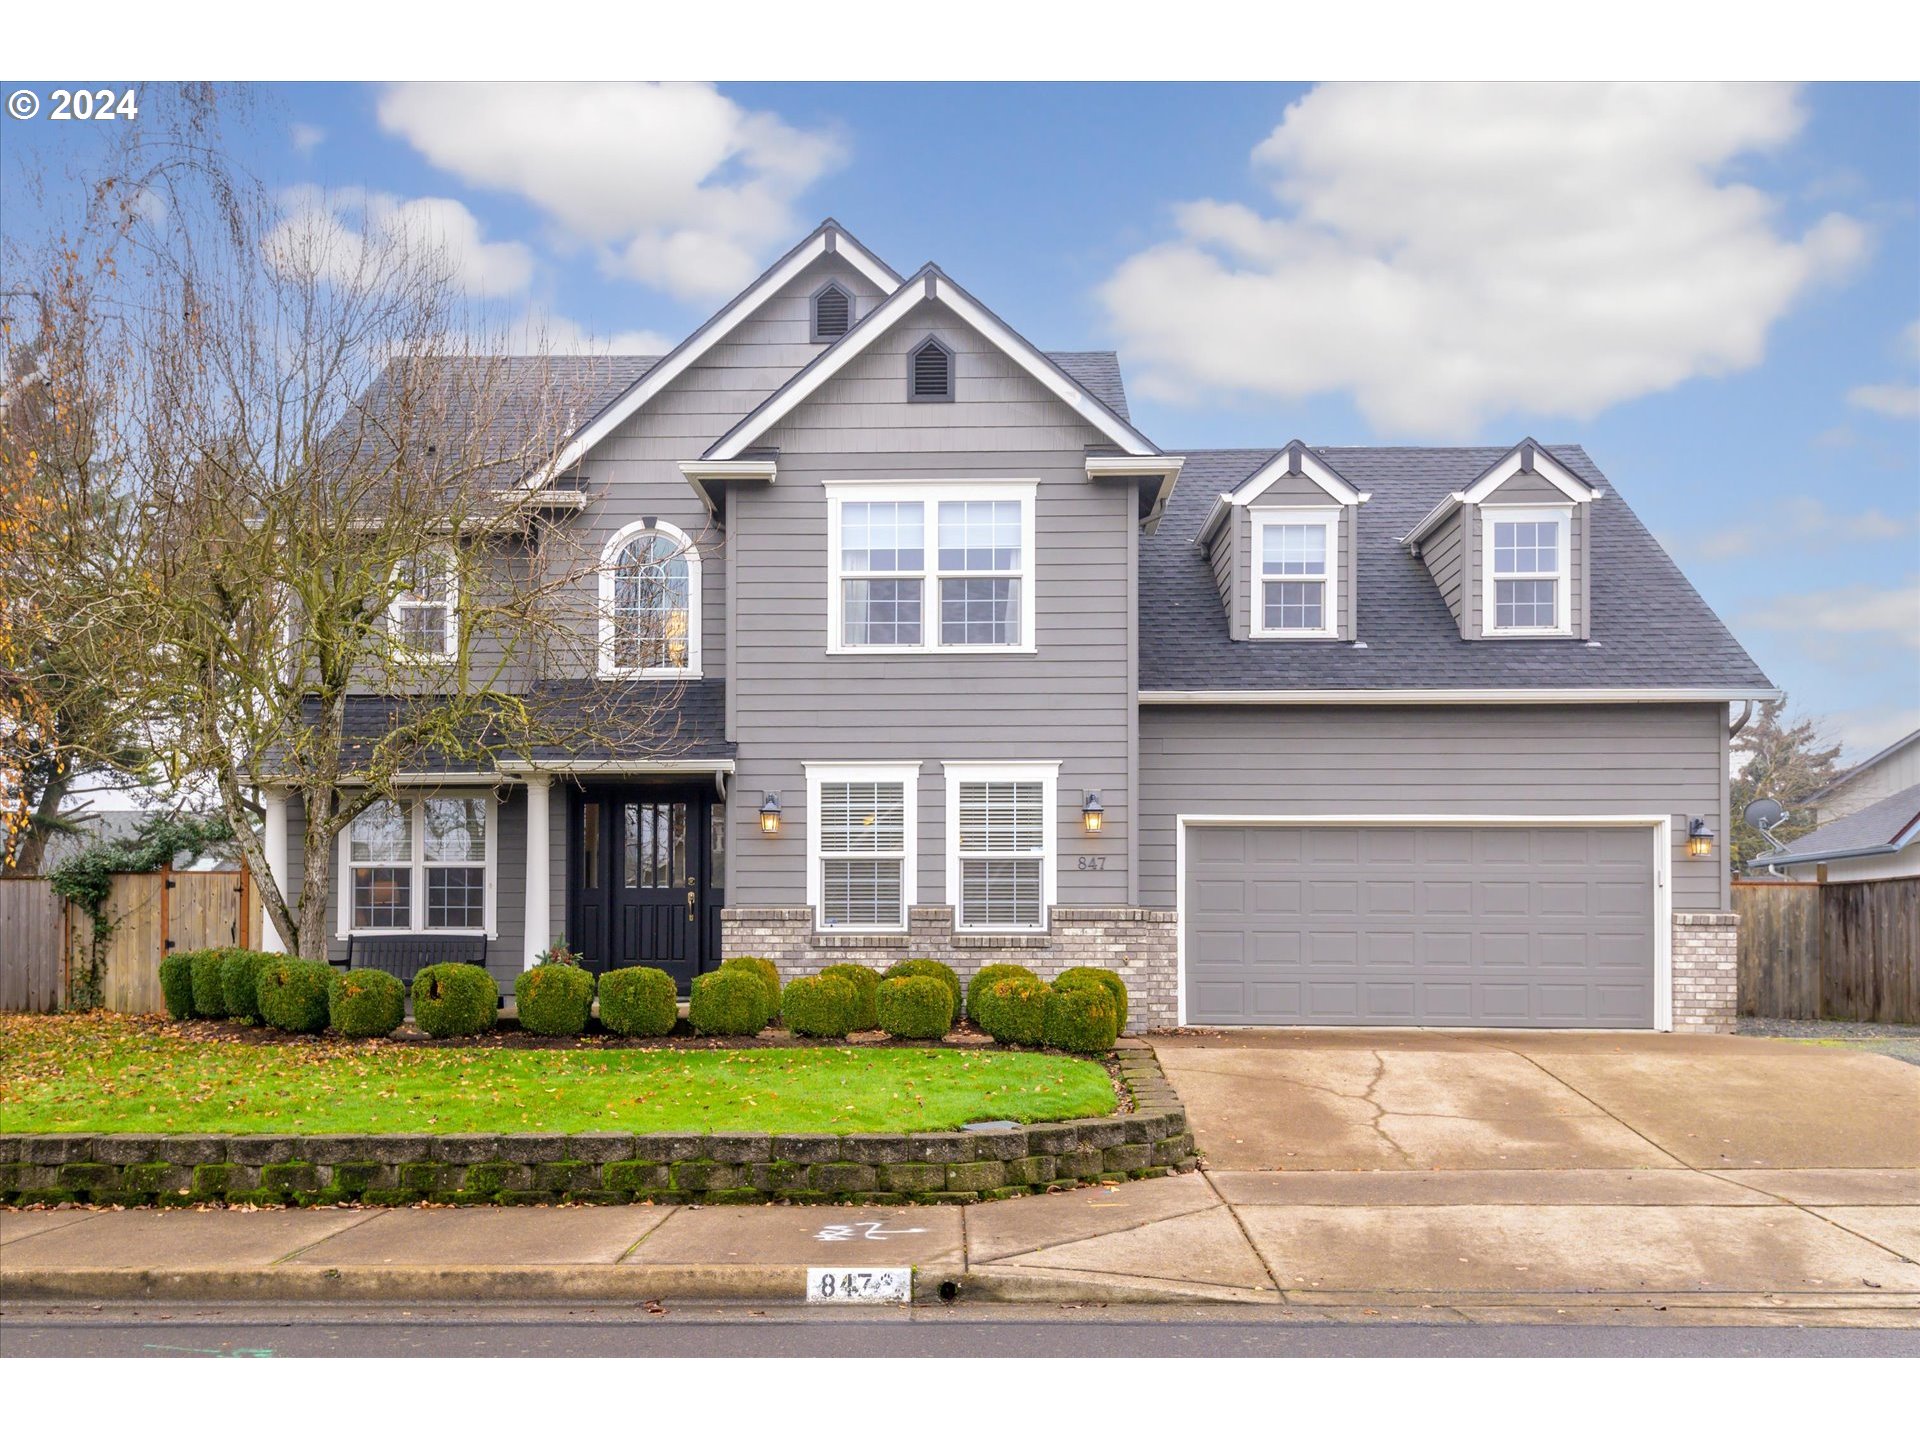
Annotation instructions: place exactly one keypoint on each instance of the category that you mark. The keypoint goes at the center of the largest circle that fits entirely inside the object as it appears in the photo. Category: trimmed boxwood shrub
(554, 999)
(453, 1000)
(240, 982)
(638, 1000)
(1013, 1009)
(982, 978)
(1106, 979)
(1080, 1018)
(366, 1004)
(822, 1005)
(293, 994)
(209, 994)
(865, 980)
(729, 1001)
(931, 969)
(768, 974)
(915, 1007)
(176, 984)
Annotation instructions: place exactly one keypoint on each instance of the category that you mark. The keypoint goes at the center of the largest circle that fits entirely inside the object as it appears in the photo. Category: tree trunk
(316, 849)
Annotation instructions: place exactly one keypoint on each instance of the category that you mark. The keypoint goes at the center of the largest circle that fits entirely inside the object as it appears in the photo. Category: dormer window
(930, 371)
(832, 312)
(1294, 577)
(1526, 570)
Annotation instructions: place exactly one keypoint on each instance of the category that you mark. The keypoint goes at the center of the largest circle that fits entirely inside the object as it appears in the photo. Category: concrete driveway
(1478, 1171)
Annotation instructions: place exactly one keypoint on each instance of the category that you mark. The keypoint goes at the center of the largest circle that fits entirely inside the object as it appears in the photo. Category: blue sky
(1716, 291)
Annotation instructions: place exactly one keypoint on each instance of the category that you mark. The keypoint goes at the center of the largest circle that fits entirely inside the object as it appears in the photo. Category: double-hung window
(423, 615)
(861, 822)
(938, 565)
(1526, 568)
(422, 863)
(1000, 845)
(1295, 586)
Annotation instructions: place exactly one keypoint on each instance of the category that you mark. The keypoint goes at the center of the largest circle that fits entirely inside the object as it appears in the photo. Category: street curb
(786, 1284)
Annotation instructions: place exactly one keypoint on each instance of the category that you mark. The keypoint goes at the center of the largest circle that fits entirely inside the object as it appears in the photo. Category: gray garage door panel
(1405, 925)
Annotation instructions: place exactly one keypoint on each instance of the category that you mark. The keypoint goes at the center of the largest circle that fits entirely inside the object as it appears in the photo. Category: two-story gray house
(967, 666)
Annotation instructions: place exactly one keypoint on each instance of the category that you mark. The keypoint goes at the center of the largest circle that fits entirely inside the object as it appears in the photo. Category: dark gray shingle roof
(1099, 372)
(1654, 629)
(1880, 823)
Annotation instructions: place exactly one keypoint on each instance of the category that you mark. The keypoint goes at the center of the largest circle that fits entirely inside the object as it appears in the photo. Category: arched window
(650, 602)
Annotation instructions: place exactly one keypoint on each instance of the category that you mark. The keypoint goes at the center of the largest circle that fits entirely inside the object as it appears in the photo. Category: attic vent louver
(932, 375)
(832, 312)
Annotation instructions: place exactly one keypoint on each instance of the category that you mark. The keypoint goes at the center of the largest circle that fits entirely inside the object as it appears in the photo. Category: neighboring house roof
(930, 283)
(1861, 769)
(1882, 828)
(1650, 628)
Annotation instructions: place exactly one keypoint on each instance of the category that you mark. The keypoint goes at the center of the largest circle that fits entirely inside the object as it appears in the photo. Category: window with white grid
(423, 616)
(1295, 555)
(1000, 845)
(1527, 570)
(861, 823)
(419, 863)
(933, 565)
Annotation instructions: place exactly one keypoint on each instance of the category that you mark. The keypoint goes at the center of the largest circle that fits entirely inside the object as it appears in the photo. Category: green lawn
(111, 1075)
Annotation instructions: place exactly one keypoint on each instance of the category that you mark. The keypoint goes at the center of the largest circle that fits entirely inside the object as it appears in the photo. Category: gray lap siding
(1519, 760)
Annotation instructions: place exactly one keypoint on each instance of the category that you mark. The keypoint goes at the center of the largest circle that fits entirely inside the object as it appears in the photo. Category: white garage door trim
(1660, 828)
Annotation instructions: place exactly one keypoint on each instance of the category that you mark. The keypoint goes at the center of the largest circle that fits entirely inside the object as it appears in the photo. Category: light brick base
(1706, 966)
(1137, 944)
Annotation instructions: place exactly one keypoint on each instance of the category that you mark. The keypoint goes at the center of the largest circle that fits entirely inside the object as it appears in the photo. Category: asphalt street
(1014, 1331)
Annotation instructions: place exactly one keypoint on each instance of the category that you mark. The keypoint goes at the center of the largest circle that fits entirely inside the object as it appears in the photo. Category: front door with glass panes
(646, 877)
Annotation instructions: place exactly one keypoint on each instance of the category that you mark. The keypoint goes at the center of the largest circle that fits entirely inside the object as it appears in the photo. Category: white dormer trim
(1528, 454)
(1297, 458)
(929, 284)
(829, 239)
(703, 474)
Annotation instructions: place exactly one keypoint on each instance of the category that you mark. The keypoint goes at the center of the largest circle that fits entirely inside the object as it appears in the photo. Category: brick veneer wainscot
(1706, 972)
(1137, 944)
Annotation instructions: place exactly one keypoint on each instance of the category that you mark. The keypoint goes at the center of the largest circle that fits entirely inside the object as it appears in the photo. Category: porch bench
(405, 956)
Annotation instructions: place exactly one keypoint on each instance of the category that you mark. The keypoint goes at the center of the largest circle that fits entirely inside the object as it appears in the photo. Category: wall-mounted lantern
(1699, 838)
(770, 812)
(1093, 814)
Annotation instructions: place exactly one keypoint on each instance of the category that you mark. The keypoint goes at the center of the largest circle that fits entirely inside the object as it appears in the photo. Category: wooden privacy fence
(40, 937)
(1830, 952)
(32, 940)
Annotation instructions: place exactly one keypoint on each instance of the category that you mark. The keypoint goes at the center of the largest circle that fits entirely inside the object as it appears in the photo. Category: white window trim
(1328, 518)
(417, 887)
(609, 556)
(452, 624)
(931, 493)
(1048, 773)
(907, 773)
(1492, 515)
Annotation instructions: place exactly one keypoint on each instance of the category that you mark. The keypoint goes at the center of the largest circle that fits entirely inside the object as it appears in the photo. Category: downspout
(1746, 714)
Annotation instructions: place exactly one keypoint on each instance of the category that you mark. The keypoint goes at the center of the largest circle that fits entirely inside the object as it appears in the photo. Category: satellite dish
(1764, 814)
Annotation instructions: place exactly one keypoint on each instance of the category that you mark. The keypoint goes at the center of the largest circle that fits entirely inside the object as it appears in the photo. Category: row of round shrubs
(1082, 1010)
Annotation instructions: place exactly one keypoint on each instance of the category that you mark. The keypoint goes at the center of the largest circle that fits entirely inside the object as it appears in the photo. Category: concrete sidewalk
(1829, 1246)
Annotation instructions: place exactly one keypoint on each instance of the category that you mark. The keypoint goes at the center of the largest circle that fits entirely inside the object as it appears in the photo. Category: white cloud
(1450, 252)
(539, 332)
(339, 226)
(306, 138)
(1810, 524)
(1869, 730)
(676, 185)
(1866, 614)
(1900, 401)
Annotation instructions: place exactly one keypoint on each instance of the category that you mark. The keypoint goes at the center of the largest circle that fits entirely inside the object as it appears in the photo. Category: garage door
(1420, 925)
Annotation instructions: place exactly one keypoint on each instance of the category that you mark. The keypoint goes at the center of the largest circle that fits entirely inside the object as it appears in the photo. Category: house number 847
(1092, 862)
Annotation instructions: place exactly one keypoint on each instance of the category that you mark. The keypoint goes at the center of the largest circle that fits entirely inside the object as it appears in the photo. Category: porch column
(274, 840)
(536, 918)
